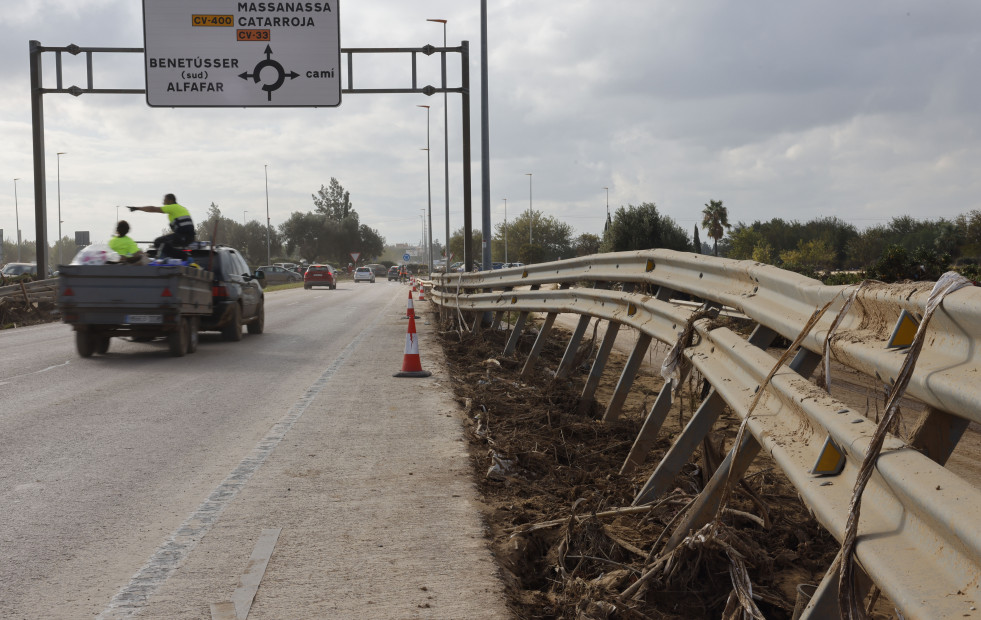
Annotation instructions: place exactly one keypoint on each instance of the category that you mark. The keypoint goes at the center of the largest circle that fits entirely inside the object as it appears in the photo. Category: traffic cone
(410, 312)
(411, 364)
(422, 293)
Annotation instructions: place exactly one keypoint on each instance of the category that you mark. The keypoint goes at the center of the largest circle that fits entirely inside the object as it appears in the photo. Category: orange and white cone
(410, 312)
(422, 293)
(411, 364)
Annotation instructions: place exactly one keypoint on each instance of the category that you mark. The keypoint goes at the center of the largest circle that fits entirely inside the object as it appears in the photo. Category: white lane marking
(134, 596)
(9, 380)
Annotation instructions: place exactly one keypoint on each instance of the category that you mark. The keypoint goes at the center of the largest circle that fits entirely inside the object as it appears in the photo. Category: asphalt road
(107, 460)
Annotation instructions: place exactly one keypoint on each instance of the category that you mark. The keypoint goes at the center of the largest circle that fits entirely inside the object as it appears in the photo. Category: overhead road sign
(227, 53)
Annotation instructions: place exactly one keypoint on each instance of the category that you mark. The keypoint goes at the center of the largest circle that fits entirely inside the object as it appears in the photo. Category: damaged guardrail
(917, 540)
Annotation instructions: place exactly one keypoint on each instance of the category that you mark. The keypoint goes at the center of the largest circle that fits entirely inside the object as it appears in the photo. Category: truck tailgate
(105, 293)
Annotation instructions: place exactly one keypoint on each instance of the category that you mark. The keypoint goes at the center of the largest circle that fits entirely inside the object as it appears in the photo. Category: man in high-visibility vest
(171, 246)
(121, 244)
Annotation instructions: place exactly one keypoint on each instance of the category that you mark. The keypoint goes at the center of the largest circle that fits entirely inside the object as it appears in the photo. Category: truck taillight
(68, 292)
(166, 293)
(219, 291)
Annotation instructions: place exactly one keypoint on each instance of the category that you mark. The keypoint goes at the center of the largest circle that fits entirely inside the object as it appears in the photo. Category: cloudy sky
(859, 110)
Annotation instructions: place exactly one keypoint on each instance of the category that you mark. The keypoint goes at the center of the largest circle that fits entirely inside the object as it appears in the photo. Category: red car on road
(320, 275)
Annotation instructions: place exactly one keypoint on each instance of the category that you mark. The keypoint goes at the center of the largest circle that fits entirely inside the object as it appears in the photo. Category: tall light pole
(530, 212)
(60, 153)
(244, 221)
(429, 185)
(17, 216)
(446, 148)
(506, 230)
(268, 254)
(422, 242)
(607, 202)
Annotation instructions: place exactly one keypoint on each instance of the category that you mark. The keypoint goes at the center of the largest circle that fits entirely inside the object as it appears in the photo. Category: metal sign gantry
(37, 114)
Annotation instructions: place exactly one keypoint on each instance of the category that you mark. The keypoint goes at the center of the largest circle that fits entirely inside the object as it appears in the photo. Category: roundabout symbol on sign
(281, 74)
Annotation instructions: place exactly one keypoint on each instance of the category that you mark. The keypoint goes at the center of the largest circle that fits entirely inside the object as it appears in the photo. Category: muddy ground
(16, 312)
(547, 473)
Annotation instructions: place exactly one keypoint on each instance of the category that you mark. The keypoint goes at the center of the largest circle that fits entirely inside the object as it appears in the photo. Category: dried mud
(537, 460)
(18, 313)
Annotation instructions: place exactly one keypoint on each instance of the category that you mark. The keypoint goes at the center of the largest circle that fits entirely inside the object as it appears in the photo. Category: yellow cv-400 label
(213, 20)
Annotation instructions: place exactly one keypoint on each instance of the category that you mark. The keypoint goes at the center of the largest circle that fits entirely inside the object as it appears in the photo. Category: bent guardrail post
(519, 327)
(627, 377)
(733, 467)
(936, 434)
(536, 349)
(571, 349)
(647, 435)
(698, 427)
(499, 315)
(540, 341)
(587, 397)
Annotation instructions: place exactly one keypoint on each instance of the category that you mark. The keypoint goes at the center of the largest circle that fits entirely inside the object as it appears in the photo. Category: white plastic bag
(95, 254)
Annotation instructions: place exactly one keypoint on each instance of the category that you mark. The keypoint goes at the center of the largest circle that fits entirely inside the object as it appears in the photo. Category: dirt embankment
(548, 474)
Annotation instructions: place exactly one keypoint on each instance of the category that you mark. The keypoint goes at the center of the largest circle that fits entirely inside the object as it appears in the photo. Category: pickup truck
(139, 301)
(145, 302)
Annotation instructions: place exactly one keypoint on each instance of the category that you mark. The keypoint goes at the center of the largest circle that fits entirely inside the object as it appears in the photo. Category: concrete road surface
(139, 484)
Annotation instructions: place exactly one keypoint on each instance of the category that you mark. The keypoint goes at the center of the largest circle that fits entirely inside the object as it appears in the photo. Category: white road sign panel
(226, 53)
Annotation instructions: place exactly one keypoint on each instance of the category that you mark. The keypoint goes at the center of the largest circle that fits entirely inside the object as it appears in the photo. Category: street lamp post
(607, 203)
(506, 230)
(422, 242)
(268, 255)
(429, 185)
(60, 222)
(17, 216)
(530, 212)
(244, 221)
(446, 147)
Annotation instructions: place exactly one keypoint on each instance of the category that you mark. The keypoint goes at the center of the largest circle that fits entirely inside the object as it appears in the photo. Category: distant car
(497, 265)
(507, 265)
(457, 266)
(393, 273)
(364, 274)
(380, 271)
(320, 275)
(18, 269)
(273, 275)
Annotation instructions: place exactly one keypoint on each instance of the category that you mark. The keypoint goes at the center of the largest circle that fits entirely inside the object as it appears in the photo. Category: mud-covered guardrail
(31, 292)
(916, 537)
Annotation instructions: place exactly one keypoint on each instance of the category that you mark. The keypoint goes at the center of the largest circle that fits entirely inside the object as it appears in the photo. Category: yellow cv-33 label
(212, 20)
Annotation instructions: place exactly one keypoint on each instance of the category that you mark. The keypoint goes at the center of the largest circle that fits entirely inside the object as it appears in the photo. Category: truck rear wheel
(259, 323)
(177, 339)
(85, 343)
(102, 344)
(233, 331)
(192, 334)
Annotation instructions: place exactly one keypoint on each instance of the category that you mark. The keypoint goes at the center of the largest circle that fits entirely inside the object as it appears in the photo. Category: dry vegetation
(549, 477)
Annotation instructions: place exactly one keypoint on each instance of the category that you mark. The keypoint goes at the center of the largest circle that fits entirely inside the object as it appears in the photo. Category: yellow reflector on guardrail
(831, 460)
(905, 330)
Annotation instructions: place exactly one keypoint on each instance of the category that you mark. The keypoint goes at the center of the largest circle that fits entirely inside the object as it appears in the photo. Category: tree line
(327, 234)
(905, 248)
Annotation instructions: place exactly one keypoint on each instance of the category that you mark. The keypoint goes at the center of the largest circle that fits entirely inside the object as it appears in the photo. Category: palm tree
(715, 219)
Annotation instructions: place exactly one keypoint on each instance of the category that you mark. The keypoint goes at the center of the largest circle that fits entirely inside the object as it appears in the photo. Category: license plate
(144, 319)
